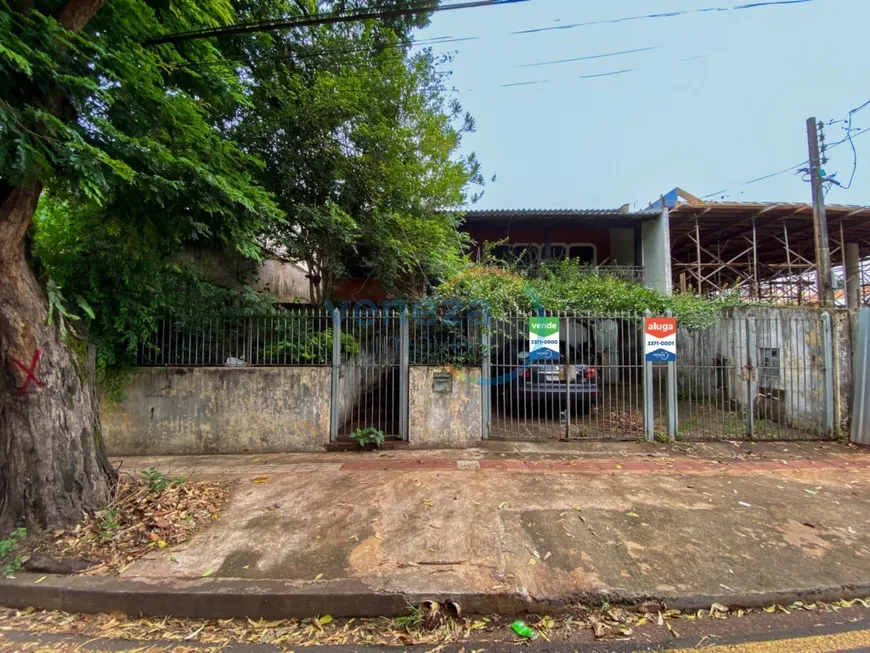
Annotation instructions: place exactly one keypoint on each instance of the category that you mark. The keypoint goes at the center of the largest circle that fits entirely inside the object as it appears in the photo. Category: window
(584, 253)
(558, 252)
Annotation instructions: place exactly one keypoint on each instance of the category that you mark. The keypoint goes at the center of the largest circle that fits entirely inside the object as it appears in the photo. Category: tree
(136, 136)
(360, 147)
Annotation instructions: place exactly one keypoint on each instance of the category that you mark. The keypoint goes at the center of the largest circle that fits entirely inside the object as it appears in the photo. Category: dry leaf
(261, 479)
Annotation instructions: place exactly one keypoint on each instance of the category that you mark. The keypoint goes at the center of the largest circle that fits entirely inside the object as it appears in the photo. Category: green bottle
(522, 629)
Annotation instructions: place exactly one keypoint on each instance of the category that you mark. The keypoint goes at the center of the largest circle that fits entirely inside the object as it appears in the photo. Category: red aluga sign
(660, 327)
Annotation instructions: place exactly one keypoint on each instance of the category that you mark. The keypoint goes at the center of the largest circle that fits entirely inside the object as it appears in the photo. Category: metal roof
(622, 213)
(730, 227)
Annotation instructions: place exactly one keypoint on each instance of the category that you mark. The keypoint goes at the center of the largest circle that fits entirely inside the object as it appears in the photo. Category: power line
(670, 14)
(329, 18)
(374, 49)
(588, 57)
(794, 168)
(849, 129)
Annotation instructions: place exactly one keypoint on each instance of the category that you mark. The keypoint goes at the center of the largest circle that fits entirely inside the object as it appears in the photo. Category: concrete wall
(656, 240)
(174, 410)
(712, 363)
(444, 420)
(285, 279)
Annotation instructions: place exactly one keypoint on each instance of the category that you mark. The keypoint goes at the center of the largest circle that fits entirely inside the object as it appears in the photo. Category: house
(631, 244)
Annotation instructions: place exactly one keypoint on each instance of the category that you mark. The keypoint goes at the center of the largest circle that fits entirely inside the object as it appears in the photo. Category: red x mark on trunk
(31, 376)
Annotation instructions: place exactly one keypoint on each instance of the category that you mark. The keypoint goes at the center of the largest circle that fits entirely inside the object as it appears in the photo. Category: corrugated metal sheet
(558, 213)
(861, 401)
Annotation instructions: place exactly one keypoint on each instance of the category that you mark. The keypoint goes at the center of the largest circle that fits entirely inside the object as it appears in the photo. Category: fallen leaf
(502, 505)
(261, 479)
(208, 573)
(325, 619)
(812, 492)
(40, 580)
(632, 514)
(318, 577)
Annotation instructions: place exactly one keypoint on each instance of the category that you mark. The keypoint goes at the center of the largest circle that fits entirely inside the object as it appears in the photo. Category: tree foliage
(573, 287)
(360, 147)
(100, 117)
(132, 143)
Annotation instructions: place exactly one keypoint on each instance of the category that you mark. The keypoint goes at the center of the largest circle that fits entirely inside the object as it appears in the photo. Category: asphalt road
(833, 632)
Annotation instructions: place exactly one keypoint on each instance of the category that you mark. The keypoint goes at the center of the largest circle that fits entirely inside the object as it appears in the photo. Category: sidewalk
(531, 525)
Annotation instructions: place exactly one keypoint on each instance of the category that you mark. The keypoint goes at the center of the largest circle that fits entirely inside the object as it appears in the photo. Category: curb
(218, 598)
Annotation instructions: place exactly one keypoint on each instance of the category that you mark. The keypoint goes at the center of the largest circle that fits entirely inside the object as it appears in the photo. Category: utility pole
(820, 221)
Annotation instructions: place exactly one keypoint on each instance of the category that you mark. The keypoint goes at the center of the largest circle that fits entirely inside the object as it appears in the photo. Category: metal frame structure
(766, 250)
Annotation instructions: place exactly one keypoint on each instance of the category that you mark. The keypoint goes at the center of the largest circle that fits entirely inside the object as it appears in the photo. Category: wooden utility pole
(820, 221)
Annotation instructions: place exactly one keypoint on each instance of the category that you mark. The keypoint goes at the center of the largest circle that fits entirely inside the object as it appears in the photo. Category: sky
(711, 100)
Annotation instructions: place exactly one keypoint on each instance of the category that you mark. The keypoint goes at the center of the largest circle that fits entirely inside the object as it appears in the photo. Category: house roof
(561, 216)
(730, 224)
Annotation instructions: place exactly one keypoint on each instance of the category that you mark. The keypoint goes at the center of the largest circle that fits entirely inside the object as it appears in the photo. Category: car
(543, 387)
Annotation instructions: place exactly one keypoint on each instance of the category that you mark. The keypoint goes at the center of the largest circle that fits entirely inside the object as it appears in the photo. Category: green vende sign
(543, 326)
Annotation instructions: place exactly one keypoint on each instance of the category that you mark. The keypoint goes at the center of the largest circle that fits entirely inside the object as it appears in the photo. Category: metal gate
(369, 372)
(764, 374)
(593, 390)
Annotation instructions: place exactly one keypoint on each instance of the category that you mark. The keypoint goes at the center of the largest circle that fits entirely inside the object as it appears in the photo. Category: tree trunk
(53, 466)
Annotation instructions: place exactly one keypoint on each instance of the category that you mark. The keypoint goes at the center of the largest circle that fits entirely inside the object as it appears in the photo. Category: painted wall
(444, 420)
(656, 240)
(200, 410)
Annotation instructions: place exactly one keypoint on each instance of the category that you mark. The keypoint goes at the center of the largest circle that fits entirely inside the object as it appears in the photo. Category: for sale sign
(660, 339)
(544, 338)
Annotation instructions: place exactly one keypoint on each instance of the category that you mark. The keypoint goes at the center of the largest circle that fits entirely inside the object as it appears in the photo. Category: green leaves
(361, 148)
(573, 287)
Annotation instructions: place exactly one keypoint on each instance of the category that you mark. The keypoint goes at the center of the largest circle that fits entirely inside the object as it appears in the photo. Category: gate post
(485, 380)
(671, 392)
(828, 358)
(404, 374)
(751, 383)
(648, 413)
(334, 401)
